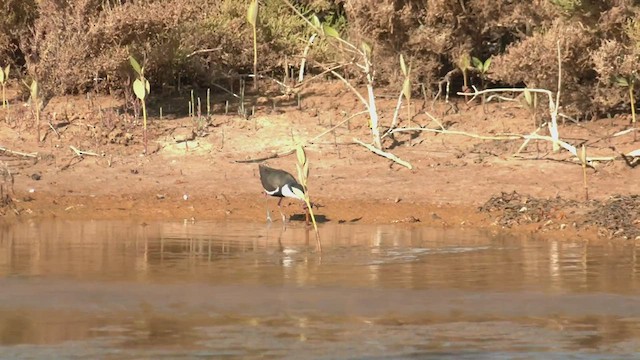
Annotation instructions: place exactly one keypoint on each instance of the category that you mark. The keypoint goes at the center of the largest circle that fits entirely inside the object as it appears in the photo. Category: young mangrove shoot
(141, 88)
(630, 83)
(4, 77)
(303, 175)
(35, 102)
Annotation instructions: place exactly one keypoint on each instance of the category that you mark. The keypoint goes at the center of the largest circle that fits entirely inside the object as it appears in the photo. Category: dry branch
(385, 154)
(572, 149)
(81, 153)
(18, 153)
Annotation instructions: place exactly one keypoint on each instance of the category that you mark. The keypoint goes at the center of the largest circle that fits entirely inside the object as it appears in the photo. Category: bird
(279, 183)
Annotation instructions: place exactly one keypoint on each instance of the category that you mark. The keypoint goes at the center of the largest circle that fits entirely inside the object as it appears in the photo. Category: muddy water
(114, 290)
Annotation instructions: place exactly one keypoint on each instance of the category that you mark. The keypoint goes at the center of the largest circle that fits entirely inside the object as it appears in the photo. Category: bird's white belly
(287, 192)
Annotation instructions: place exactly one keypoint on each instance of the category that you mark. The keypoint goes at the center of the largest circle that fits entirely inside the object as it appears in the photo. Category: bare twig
(553, 108)
(352, 88)
(18, 153)
(508, 136)
(81, 153)
(304, 57)
(526, 142)
(445, 80)
(261, 159)
(54, 130)
(204, 51)
(385, 154)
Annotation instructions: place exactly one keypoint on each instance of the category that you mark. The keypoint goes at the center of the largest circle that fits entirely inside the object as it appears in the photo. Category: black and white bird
(279, 183)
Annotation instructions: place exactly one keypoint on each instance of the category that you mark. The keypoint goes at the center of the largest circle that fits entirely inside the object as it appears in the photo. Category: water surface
(113, 290)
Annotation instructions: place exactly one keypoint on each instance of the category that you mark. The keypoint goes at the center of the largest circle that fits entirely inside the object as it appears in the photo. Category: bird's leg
(284, 218)
(266, 206)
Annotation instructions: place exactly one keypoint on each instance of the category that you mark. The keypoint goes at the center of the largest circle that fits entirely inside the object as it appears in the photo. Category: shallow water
(114, 290)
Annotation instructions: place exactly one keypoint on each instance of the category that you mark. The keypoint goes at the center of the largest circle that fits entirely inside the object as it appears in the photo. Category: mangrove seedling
(582, 155)
(4, 77)
(303, 175)
(406, 93)
(141, 88)
(630, 83)
(531, 99)
(35, 102)
(483, 70)
(406, 85)
(464, 63)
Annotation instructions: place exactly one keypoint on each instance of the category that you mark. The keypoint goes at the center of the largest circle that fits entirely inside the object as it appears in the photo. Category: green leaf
(147, 86)
(301, 178)
(329, 31)
(34, 89)
(139, 89)
(302, 158)
(487, 64)
(403, 66)
(367, 49)
(298, 193)
(622, 81)
(305, 170)
(463, 62)
(135, 65)
(582, 155)
(477, 63)
(2, 76)
(252, 13)
(6, 71)
(406, 88)
(315, 21)
(527, 97)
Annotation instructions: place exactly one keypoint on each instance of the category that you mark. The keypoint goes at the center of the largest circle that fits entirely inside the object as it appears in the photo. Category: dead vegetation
(616, 217)
(518, 209)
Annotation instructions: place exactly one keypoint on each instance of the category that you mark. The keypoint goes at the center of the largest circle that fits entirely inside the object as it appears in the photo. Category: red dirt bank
(452, 175)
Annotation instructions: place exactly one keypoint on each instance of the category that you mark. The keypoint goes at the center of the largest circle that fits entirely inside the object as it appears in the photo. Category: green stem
(36, 103)
(255, 58)
(313, 220)
(144, 125)
(633, 109)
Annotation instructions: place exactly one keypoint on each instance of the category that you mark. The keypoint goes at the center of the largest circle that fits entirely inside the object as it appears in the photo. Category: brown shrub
(17, 16)
(77, 45)
(80, 42)
(534, 62)
(84, 44)
(616, 57)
